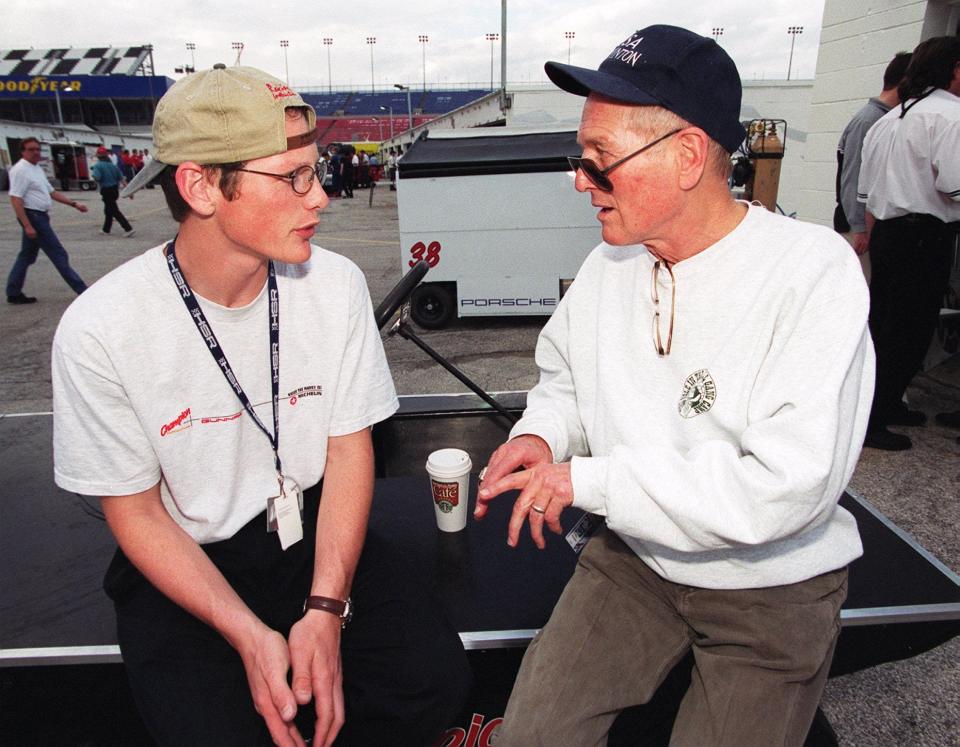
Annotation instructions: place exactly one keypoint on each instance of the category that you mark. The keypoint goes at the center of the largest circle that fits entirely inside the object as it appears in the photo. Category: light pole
(371, 40)
(793, 31)
(192, 48)
(284, 43)
(423, 39)
(409, 109)
(117, 117)
(390, 108)
(379, 126)
(238, 48)
(66, 89)
(492, 38)
(569, 36)
(328, 42)
(717, 33)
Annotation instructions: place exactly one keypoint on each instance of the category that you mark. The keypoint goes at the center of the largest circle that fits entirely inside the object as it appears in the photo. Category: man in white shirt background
(910, 182)
(32, 196)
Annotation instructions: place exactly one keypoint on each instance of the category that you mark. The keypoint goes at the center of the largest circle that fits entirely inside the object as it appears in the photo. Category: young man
(32, 197)
(197, 389)
(704, 387)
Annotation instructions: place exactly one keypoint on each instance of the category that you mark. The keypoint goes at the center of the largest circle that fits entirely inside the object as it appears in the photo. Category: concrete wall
(858, 39)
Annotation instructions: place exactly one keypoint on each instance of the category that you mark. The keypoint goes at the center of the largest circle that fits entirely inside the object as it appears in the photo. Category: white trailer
(495, 214)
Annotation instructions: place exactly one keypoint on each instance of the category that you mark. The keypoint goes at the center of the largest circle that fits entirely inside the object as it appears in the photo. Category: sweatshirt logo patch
(699, 394)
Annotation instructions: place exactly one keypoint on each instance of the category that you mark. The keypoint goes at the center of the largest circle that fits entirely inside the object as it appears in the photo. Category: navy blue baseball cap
(685, 73)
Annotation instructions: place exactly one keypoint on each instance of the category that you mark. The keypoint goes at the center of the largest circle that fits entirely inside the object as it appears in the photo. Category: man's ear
(199, 192)
(693, 154)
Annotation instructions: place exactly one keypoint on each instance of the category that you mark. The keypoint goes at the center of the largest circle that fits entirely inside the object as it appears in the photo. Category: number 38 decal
(429, 252)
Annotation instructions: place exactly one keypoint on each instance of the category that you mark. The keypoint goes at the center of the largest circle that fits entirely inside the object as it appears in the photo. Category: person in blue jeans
(110, 180)
(32, 196)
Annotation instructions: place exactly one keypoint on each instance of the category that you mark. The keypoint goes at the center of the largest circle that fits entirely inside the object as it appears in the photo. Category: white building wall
(858, 40)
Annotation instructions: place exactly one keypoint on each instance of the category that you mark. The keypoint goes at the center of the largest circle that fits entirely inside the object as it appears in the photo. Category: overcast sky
(754, 34)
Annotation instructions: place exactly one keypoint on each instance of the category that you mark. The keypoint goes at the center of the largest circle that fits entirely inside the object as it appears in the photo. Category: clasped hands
(313, 653)
(545, 488)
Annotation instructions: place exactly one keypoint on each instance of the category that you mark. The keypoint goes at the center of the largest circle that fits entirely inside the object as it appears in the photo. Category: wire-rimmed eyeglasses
(662, 350)
(599, 176)
(301, 179)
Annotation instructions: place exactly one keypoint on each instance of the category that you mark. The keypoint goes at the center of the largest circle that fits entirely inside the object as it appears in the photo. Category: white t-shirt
(29, 182)
(721, 464)
(138, 398)
(912, 164)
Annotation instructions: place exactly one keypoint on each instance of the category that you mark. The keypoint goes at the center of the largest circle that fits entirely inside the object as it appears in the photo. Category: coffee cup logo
(446, 495)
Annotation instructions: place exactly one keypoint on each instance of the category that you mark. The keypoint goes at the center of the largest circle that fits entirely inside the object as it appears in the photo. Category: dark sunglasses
(599, 176)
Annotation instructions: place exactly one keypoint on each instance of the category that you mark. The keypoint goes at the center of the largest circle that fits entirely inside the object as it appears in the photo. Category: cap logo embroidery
(627, 51)
(699, 394)
(279, 92)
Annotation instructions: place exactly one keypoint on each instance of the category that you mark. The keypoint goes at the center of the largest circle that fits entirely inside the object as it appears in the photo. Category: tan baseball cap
(223, 115)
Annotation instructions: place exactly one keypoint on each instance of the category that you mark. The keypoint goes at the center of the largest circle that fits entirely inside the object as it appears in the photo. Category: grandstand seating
(354, 129)
(361, 112)
(327, 104)
(445, 101)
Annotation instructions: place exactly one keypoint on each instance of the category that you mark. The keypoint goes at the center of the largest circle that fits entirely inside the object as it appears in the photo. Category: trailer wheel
(432, 305)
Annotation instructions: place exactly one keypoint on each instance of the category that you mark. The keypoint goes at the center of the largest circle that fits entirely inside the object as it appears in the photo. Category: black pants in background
(405, 674)
(911, 268)
(110, 195)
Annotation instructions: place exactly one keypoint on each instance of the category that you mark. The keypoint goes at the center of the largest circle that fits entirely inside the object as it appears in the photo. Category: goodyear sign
(87, 86)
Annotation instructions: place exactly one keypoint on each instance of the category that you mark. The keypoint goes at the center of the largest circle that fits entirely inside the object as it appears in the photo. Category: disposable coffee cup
(449, 471)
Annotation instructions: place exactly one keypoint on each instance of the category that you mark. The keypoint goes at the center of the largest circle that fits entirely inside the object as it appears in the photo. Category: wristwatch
(341, 608)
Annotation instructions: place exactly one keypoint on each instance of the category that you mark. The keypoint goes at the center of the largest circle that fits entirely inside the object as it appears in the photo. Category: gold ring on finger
(539, 510)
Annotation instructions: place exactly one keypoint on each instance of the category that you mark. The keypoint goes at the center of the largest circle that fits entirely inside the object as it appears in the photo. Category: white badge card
(291, 499)
(289, 525)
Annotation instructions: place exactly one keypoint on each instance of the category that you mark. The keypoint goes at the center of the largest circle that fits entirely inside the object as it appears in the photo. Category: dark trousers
(29, 248)
(405, 674)
(348, 182)
(110, 195)
(911, 268)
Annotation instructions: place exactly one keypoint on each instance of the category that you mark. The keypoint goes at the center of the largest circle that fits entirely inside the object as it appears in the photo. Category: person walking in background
(910, 183)
(32, 197)
(848, 218)
(110, 180)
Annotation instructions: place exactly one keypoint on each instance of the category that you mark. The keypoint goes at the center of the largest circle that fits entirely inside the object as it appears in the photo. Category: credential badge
(699, 394)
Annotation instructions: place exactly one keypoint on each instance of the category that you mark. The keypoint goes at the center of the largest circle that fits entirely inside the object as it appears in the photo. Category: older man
(704, 387)
(32, 197)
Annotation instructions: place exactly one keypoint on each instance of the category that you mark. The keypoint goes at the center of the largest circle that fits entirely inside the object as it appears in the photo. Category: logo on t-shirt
(699, 394)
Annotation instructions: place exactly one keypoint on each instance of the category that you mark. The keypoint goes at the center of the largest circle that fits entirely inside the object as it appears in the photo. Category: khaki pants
(761, 656)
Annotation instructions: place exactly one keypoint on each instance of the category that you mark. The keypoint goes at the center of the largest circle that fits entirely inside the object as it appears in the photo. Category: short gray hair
(653, 121)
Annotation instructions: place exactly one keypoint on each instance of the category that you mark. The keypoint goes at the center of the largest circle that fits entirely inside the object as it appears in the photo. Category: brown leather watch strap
(339, 607)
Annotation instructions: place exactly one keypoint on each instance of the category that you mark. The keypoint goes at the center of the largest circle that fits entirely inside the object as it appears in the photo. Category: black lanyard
(196, 313)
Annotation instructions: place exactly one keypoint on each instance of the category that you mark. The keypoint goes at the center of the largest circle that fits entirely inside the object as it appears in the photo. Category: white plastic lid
(449, 463)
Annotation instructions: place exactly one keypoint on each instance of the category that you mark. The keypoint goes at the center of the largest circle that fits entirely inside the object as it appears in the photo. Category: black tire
(432, 305)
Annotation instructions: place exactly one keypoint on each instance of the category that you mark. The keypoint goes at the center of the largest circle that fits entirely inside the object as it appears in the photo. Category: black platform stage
(58, 648)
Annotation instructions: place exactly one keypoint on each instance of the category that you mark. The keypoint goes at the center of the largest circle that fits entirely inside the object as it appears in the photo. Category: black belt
(918, 219)
(31, 210)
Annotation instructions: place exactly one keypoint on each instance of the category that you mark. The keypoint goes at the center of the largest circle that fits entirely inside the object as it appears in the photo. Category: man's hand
(266, 661)
(30, 231)
(859, 242)
(81, 207)
(317, 674)
(545, 488)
